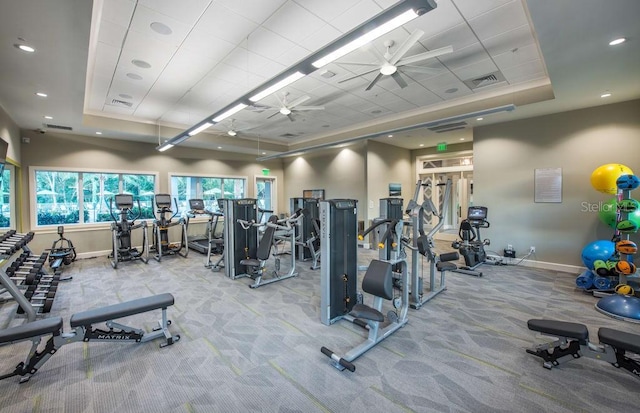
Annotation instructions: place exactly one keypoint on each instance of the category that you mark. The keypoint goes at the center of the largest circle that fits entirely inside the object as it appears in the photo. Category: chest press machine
(83, 329)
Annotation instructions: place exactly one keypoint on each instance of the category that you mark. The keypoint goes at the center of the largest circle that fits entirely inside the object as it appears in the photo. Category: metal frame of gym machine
(161, 229)
(338, 278)
(306, 233)
(119, 254)
(196, 206)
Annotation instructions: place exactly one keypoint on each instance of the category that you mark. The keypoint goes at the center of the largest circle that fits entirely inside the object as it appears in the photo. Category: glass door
(265, 195)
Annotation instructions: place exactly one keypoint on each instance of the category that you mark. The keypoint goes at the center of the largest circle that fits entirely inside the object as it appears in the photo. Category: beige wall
(71, 151)
(386, 164)
(506, 155)
(10, 132)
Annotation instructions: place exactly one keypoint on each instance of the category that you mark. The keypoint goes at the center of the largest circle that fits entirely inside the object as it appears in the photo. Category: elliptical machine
(471, 246)
(161, 225)
(121, 232)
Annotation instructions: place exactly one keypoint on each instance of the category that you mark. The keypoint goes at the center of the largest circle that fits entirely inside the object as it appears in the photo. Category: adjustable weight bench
(83, 329)
(572, 342)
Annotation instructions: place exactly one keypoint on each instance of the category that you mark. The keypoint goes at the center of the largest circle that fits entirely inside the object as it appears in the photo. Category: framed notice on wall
(548, 185)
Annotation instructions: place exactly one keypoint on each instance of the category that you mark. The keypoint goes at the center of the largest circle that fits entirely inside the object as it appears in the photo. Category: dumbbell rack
(11, 243)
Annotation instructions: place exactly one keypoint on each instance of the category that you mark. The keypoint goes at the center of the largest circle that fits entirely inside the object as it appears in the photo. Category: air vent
(290, 135)
(119, 102)
(485, 80)
(50, 126)
(448, 127)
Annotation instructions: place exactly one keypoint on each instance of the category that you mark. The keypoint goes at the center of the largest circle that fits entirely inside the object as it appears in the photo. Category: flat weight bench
(572, 342)
(83, 329)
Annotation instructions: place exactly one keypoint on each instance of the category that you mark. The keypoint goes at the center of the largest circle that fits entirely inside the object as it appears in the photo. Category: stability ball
(597, 250)
(608, 213)
(604, 177)
(628, 182)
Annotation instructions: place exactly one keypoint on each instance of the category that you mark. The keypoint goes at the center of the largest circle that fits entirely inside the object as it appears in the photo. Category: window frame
(96, 225)
(13, 216)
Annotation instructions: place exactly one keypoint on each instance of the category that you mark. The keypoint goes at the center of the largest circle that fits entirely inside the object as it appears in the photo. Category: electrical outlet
(532, 250)
(509, 247)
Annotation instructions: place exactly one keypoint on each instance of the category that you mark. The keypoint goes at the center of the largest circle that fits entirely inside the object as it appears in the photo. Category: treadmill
(200, 242)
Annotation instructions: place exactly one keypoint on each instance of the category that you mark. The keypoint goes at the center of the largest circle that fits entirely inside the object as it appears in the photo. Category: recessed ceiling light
(461, 139)
(479, 118)
(452, 90)
(219, 147)
(232, 133)
(161, 28)
(605, 95)
(389, 136)
(25, 48)
(264, 153)
(98, 133)
(141, 63)
(41, 94)
(48, 117)
(617, 41)
(422, 144)
(134, 76)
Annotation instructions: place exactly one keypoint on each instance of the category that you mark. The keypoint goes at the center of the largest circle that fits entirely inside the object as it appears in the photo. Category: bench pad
(120, 310)
(620, 339)
(52, 325)
(559, 328)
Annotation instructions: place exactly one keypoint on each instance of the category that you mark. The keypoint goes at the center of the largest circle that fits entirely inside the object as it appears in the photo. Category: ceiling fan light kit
(387, 20)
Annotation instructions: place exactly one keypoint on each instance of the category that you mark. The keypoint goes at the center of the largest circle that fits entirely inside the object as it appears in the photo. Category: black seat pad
(52, 325)
(446, 266)
(251, 262)
(559, 328)
(620, 339)
(366, 312)
(120, 310)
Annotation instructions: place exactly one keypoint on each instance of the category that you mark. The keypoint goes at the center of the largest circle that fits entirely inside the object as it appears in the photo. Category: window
(57, 201)
(6, 197)
(209, 189)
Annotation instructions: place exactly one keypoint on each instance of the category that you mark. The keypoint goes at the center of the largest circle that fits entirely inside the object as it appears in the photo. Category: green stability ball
(609, 212)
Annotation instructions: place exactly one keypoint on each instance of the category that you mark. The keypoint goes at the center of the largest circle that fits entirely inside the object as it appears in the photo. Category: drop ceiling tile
(420, 96)
(185, 11)
(436, 21)
(458, 36)
(111, 33)
(209, 46)
(327, 10)
(118, 12)
(257, 11)
(464, 57)
(514, 58)
(293, 22)
(144, 17)
(266, 43)
(499, 20)
(117, 110)
(225, 24)
(106, 59)
(99, 91)
(293, 55)
(243, 60)
(316, 40)
(525, 72)
(519, 37)
(356, 15)
(475, 70)
(473, 8)
(144, 47)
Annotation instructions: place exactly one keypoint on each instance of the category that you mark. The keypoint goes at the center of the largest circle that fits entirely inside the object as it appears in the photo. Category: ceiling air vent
(448, 127)
(119, 102)
(290, 135)
(485, 80)
(50, 126)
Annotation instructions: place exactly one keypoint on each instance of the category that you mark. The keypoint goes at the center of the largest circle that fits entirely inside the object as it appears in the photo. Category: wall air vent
(60, 127)
(448, 127)
(119, 102)
(485, 80)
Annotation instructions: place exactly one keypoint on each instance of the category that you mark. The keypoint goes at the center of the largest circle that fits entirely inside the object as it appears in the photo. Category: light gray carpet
(245, 350)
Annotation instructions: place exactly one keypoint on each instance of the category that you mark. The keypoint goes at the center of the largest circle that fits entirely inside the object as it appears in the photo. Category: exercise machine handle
(344, 363)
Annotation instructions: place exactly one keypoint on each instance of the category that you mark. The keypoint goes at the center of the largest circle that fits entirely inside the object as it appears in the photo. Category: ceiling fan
(388, 63)
(288, 108)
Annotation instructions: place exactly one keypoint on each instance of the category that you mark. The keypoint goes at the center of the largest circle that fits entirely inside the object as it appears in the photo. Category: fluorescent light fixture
(277, 86)
(25, 48)
(617, 41)
(164, 147)
(237, 108)
(200, 128)
(480, 118)
(48, 117)
(605, 95)
(41, 94)
(366, 38)
(98, 133)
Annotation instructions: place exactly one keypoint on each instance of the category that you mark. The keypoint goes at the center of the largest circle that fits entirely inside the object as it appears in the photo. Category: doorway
(266, 196)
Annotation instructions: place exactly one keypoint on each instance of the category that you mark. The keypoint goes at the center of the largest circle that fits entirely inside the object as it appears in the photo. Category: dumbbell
(43, 280)
(27, 256)
(42, 303)
(37, 289)
(27, 265)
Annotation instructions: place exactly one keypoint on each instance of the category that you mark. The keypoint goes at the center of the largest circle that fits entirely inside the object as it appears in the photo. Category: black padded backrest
(378, 280)
(264, 249)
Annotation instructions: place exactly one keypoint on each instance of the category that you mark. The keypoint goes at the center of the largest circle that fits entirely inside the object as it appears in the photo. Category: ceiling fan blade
(374, 81)
(274, 114)
(298, 101)
(405, 46)
(360, 64)
(399, 80)
(426, 55)
(361, 74)
(299, 108)
(422, 69)
(371, 48)
(290, 117)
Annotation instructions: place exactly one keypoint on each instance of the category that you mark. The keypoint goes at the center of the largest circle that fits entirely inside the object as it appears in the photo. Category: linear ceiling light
(164, 147)
(277, 86)
(366, 38)
(237, 108)
(200, 128)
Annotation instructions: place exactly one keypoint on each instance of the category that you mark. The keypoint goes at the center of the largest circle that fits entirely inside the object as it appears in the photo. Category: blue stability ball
(627, 182)
(621, 307)
(597, 250)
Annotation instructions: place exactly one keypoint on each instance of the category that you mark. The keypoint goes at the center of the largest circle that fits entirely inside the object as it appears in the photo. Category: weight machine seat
(363, 311)
(446, 266)
(52, 325)
(264, 248)
(620, 339)
(377, 281)
(559, 328)
(120, 310)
